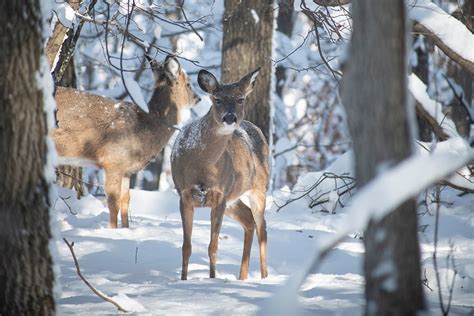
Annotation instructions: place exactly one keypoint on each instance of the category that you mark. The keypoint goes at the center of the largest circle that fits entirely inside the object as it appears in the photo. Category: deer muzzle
(229, 118)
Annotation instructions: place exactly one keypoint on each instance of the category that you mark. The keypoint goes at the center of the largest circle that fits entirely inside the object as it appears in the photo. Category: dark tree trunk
(284, 26)
(26, 274)
(247, 44)
(374, 92)
(422, 71)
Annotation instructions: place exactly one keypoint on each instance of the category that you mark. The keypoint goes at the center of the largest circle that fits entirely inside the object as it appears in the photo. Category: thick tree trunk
(247, 44)
(26, 274)
(374, 92)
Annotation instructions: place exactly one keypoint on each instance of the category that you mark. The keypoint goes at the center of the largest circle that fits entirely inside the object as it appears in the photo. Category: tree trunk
(26, 274)
(247, 44)
(422, 71)
(374, 92)
(284, 26)
(67, 176)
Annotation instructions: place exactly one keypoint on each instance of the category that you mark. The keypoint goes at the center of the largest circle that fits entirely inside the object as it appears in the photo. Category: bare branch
(331, 3)
(93, 289)
(181, 6)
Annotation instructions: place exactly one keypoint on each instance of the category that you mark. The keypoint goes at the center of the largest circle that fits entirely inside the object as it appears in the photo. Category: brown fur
(118, 136)
(215, 166)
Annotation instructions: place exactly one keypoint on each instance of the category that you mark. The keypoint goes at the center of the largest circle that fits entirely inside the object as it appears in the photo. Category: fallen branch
(93, 289)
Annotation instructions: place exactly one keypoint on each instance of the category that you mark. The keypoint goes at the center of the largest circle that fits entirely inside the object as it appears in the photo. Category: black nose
(229, 118)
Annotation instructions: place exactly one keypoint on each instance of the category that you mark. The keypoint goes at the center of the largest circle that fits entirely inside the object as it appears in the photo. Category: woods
(337, 132)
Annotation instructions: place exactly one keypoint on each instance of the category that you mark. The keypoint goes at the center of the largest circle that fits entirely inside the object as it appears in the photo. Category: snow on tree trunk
(26, 274)
(247, 44)
(375, 94)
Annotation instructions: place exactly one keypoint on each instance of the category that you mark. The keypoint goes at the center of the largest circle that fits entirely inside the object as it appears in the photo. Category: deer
(119, 136)
(220, 161)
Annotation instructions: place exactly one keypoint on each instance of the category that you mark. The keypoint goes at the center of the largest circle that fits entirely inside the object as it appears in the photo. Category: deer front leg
(112, 190)
(125, 200)
(217, 213)
(187, 213)
(257, 202)
(242, 214)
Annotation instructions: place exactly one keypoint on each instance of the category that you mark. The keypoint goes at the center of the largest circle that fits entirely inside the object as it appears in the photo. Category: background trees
(26, 272)
(246, 45)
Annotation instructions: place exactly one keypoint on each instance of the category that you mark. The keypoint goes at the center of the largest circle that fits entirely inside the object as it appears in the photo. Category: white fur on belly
(76, 161)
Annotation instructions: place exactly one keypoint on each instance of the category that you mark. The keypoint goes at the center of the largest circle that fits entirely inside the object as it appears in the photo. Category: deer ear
(207, 81)
(172, 66)
(248, 81)
(155, 66)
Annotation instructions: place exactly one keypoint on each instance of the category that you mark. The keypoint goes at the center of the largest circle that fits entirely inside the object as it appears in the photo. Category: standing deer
(118, 136)
(218, 161)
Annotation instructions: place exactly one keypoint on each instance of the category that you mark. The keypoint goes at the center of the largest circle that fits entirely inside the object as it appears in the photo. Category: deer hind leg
(113, 183)
(125, 200)
(257, 205)
(187, 213)
(217, 214)
(242, 214)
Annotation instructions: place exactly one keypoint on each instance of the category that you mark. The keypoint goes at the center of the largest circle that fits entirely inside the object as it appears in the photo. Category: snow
(255, 16)
(140, 267)
(65, 14)
(44, 83)
(418, 89)
(135, 92)
(450, 30)
(189, 137)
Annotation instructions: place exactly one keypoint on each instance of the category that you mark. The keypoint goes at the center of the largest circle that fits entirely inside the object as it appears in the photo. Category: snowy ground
(140, 266)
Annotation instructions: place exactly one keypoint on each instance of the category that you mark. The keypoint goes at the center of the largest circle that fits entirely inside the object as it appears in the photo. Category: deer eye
(218, 101)
(240, 101)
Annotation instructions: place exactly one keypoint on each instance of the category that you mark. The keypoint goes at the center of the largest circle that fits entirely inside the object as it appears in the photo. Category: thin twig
(93, 289)
(181, 6)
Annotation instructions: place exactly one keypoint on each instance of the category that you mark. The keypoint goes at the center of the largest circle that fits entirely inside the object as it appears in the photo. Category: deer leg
(242, 214)
(112, 189)
(125, 200)
(187, 213)
(217, 213)
(257, 203)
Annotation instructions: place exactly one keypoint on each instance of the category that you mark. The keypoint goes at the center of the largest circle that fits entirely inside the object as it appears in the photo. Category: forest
(334, 135)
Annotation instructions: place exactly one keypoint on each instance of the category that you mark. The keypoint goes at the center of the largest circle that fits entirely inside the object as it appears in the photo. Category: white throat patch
(227, 129)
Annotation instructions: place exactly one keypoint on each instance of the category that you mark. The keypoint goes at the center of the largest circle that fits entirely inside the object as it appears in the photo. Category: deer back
(118, 134)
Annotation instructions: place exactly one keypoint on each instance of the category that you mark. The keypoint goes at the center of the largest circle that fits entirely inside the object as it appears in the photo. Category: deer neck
(163, 109)
(215, 138)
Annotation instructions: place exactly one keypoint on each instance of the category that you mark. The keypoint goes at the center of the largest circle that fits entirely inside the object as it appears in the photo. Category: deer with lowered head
(220, 161)
(118, 136)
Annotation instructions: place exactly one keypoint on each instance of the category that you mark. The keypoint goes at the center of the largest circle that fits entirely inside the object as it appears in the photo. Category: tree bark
(284, 26)
(374, 92)
(247, 44)
(26, 274)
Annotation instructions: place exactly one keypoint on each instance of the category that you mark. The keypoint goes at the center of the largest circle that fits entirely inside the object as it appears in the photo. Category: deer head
(227, 99)
(171, 77)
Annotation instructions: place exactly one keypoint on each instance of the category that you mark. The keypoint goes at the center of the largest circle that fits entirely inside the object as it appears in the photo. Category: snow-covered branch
(433, 109)
(446, 32)
(376, 200)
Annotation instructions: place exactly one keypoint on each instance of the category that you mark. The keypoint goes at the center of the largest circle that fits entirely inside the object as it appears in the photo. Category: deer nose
(229, 119)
